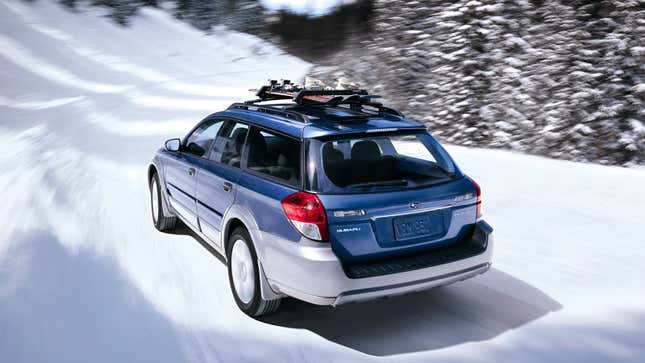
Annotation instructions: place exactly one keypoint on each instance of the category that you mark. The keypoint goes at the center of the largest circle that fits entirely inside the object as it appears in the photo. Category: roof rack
(286, 90)
(270, 110)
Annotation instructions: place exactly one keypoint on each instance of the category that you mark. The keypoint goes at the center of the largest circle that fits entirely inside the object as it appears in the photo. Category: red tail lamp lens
(307, 214)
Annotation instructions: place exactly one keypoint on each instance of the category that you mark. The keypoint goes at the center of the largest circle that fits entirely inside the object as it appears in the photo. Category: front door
(182, 170)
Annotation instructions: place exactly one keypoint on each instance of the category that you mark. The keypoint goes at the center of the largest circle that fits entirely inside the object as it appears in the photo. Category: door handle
(227, 186)
(191, 171)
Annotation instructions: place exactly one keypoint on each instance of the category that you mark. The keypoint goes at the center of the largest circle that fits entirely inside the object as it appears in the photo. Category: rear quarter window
(275, 156)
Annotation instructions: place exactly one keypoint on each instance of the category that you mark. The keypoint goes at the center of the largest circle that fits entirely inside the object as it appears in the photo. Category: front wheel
(244, 277)
(161, 221)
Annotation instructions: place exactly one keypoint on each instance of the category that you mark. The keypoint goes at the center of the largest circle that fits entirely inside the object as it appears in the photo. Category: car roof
(318, 122)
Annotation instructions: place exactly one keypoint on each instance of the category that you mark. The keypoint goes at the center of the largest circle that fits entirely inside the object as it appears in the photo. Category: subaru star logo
(414, 205)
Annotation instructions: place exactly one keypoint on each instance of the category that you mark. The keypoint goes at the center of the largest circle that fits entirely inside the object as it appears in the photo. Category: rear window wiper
(384, 183)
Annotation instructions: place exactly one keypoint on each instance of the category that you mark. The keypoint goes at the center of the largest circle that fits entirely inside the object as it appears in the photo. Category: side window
(274, 155)
(229, 143)
(201, 139)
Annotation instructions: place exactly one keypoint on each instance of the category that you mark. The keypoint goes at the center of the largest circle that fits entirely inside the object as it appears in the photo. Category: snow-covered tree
(69, 3)
(121, 10)
(554, 77)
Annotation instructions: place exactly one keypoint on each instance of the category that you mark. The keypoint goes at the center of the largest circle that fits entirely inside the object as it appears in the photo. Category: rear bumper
(311, 272)
(411, 286)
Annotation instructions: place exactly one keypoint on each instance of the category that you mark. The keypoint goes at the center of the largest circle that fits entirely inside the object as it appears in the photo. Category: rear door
(182, 167)
(217, 177)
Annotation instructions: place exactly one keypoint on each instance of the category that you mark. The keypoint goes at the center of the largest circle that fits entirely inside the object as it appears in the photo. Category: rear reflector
(307, 214)
(479, 197)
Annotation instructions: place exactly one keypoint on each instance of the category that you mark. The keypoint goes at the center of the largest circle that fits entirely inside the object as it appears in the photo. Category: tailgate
(372, 226)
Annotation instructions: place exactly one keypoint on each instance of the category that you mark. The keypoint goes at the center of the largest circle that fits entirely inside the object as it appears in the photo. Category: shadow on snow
(76, 307)
(474, 310)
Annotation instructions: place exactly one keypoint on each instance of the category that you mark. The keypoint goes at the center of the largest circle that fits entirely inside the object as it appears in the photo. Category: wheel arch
(234, 222)
(152, 169)
(231, 225)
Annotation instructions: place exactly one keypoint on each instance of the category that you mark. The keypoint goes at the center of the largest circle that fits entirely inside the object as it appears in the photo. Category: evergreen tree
(241, 15)
(122, 10)
(69, 3)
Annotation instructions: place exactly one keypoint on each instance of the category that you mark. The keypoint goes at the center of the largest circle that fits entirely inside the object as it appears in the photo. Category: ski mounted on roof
(286, 90)
(319, 96)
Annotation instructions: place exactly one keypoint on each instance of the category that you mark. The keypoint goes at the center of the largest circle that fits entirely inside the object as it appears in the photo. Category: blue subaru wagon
(322, 195)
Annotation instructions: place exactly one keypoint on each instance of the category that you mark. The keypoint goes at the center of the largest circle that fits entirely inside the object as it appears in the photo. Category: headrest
(366, 150)
(238, 136)
(330, 154)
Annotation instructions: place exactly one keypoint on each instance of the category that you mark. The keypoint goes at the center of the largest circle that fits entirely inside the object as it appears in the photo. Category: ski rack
(286, 90)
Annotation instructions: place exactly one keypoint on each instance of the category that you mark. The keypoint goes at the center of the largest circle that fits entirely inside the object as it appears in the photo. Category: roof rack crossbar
(384, 109)
(364, 102)
(270, 110)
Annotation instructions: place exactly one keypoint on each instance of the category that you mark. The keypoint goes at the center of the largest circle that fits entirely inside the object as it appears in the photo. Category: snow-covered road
(84, 276)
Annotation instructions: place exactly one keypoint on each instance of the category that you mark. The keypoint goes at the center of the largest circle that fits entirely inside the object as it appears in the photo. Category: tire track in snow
(23, 58)
(38, 105)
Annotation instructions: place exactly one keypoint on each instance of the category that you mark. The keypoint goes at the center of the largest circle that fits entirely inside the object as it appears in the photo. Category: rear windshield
(358, 164)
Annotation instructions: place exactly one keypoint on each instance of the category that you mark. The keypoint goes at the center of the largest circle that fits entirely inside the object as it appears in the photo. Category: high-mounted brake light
(307, 214)
(479, 197)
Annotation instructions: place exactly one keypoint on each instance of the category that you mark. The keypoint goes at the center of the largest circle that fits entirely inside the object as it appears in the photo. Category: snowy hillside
(85, 277)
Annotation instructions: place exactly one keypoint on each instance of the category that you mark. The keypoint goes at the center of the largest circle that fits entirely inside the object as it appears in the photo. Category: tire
(246, 292)
(160, 220)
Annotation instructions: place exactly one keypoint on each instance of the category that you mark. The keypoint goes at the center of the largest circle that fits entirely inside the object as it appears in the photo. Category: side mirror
(172, 144)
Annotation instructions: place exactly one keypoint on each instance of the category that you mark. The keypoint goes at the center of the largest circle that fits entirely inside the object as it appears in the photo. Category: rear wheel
(243, 274)
(161, 221)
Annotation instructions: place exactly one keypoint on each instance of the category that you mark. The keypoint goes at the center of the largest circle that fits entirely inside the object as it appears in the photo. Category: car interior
(275, 155)
(351, 162)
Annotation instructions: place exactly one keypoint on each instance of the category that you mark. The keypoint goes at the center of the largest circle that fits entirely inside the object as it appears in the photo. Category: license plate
(418, 225)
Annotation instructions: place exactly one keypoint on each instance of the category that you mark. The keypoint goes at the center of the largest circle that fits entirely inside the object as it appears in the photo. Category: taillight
(479, 197)
(307, 214)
